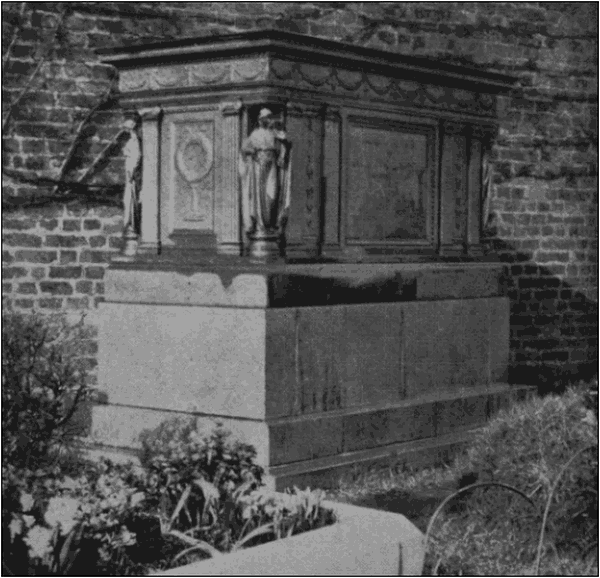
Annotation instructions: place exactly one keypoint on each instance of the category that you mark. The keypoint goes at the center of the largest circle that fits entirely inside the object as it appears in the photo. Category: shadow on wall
(553, 327)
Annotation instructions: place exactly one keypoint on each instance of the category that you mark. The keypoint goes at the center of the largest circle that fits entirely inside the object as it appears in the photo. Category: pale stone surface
(116, 426)
(184, 358)
(364, 542)
(131, 286)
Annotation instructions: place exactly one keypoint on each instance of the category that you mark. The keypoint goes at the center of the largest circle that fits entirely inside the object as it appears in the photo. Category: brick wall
(545, 186)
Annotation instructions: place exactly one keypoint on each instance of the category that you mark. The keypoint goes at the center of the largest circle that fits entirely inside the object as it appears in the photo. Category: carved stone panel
(305, 134)
(454, 197)
(389, 183)
(331, 160)
(194, 176)
(201, 74)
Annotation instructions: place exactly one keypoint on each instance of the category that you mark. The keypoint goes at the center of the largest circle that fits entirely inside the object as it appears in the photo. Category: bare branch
(75, 144)
(45, 51)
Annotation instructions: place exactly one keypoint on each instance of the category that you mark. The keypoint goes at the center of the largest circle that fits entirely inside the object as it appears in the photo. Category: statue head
(264, 117)
(129, 124)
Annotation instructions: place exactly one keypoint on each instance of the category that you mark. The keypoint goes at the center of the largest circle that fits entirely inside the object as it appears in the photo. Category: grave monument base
(319, 366)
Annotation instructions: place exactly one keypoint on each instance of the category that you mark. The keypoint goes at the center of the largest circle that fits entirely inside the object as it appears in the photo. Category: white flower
(62, 511)
(39, 541)
(127, 538)
(29, 520)
(15, 527)
(137, 498)
(27, 502)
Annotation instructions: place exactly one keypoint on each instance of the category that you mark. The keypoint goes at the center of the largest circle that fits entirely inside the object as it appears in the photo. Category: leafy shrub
(206, 490)
(177, 452)
(43, 383)
(195, 496)
(56, 524)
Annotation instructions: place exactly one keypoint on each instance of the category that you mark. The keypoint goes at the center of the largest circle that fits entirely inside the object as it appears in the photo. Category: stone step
(318, 447)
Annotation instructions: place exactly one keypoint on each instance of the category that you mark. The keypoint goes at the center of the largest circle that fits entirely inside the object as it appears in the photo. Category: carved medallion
(194, 160)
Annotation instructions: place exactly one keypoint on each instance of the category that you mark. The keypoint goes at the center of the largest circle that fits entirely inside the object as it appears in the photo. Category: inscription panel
(389, 185)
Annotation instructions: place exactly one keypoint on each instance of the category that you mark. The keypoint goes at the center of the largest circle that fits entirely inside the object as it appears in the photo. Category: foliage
(542, 447)
(193, 497)
(43, 384)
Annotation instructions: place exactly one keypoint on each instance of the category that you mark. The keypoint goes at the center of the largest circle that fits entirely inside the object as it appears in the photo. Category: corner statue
(264, 169)
(132, 151)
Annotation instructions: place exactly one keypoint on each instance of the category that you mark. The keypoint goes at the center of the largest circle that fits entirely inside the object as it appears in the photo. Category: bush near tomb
(197, 494)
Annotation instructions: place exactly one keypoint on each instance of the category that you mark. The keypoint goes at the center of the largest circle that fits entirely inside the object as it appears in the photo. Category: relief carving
(250, 69)
(205, 73)
(337, 80)
(194, 161)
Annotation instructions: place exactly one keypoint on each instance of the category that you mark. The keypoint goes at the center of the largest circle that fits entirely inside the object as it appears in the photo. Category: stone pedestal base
(265, 250)
(318, 366)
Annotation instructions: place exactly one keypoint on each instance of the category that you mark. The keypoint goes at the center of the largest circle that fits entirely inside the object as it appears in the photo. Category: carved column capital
(482, 132)
(150, 113)
(231, 108)
(453, 127)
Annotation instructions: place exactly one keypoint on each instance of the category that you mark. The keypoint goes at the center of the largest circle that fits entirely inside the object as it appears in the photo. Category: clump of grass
(527, 447)
(490, 530)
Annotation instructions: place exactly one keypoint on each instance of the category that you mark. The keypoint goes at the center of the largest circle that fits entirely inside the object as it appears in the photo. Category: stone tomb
(378, 327)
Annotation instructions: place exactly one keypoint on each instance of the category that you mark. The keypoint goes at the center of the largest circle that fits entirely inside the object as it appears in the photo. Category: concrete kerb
(363, 542)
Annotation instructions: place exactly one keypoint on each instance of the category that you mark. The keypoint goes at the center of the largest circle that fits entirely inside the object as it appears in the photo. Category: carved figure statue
(132, 151)
(265, 172)
(487, 217)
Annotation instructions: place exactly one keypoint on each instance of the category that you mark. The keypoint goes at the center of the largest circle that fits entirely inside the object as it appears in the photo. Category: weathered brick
(31, 256)
(94, 272)
(27, 288)
(56, 287)
(7, 257)
(7, 287)
(86, 287)
(78, 302)
(115, 242)
(111, 228)
(97, 241)
(50, 303)
(22, 240)
(39, 273)
(65, 272)
(68, 257)
(65, 241)
(92, 224)
(71, 225)
(99, 288)
(13, 272)
(87, 256)
(24, 303)
(18, 224)
(49, 224)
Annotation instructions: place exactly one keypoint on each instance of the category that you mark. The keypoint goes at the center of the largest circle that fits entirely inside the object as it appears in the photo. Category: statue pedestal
(318, 366)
